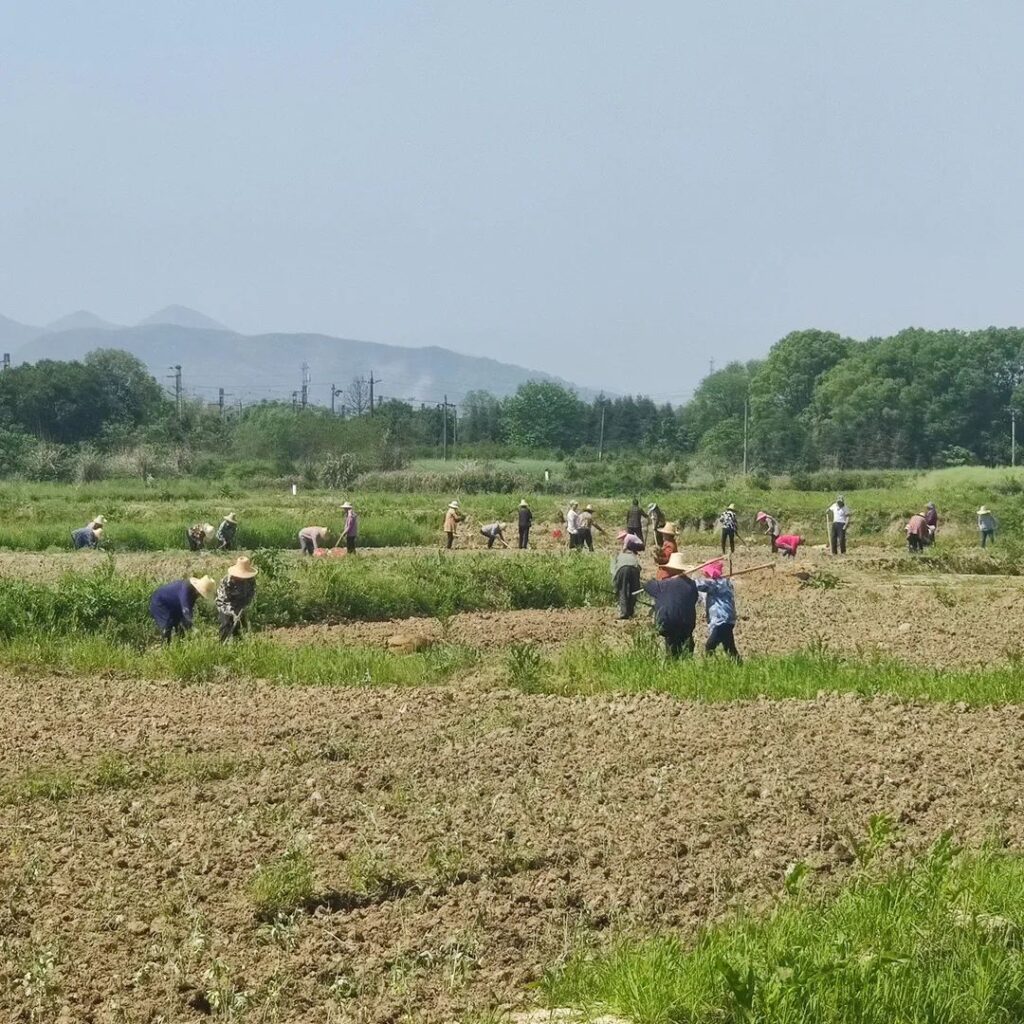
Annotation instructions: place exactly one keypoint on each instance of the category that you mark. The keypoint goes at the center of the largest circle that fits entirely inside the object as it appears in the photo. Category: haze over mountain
(268, 366)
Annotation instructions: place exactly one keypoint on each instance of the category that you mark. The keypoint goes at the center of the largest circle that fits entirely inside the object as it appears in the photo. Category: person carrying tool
(171, 605)
(987, 526)
(917, 533)
(87, 536)
(838, 516)
(675, 606)
(351, 528)
(771, 528)
(656, 520)
(667, 549)
(234, 595)
(635, 519)
(720, 608)
(730, 525)
(311, 538)
(226, 532)
(199, 535)
(452, 518)
(788, 544)
(587, 528)
(626, 581)
(525, 522)
(931, 517)
(630, 542)
(493, 532)
(572, 525)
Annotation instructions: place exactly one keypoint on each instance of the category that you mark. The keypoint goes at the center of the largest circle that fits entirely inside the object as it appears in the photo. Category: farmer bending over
(234, 595)
(226, 532)
(311, 538)
(493, 532)
(172, 604)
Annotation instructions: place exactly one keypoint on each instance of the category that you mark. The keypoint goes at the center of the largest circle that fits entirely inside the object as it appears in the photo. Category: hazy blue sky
(615, 192)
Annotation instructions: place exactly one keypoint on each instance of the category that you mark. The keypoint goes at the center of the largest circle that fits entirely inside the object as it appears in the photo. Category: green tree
(542, 414)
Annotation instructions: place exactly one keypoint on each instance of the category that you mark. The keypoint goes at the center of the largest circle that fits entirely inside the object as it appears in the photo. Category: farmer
(635, 520)
(452, 518)
(771, 528)
(626, 581)
(171, 605)
(987, 525)
(787, 544)
(493, 532)
(720, 606)
(351, 528)
(199, 535)
(525, 522)
(629, 542)
(664, 553)
(234, 595)
(917, 532)
(675, 607)
(587, 528)
(729, 524)
(311, 538)
(931, 517)
(838, 516)
(226, 532)
(87, 536)
(656, 519)
(572, 525)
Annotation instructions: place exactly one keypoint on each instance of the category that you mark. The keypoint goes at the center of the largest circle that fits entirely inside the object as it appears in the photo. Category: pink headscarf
(713, 571)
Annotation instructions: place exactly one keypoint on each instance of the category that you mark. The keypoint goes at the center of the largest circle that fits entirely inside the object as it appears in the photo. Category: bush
(338, 472)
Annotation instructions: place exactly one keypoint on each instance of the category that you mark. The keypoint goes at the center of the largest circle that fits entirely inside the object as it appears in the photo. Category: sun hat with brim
(677, 563)
(668, 530)
(231, 518)
(100, 520)
(589, 508)
(760, 517)
(524, 504)
(622, 535)
(730, 508)
(983, 511)
(346, 504)
(453, 504)
(243, 569)
(204, 586)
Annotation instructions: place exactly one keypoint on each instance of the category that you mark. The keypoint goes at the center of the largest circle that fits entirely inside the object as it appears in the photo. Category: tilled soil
(462, 840)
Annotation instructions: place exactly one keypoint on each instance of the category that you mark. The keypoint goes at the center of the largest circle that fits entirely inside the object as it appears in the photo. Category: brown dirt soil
(461, 840)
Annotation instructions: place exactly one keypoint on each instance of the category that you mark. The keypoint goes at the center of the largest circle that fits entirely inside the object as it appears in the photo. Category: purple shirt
(351, 524)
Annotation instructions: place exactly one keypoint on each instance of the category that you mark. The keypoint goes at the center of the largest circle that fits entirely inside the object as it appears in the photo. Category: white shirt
(572, 521)
(840, 513)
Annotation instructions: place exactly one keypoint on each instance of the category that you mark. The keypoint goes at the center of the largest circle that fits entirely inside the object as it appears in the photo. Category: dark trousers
(728, 537)
(837, 538)
(450, 541)
(229, 625)
(350, 545)
(626, 583)
(586, 536)
(722, 636)
(490, 542)
(914, 543)
(169, 630)
(306, 545)
(524, 537)
(679, 642)
(988, 535)
(775, 544)
(575, 541)
(194, 544)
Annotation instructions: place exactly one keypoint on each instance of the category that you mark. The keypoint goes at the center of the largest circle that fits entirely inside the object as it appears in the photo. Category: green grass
(282, 886)
(936, 943)
(590, 668)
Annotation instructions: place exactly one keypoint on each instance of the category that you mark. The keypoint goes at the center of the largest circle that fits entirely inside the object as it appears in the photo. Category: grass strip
(939, 942)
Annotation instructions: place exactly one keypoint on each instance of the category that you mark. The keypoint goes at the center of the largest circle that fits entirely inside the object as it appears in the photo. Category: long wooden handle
(755, 568)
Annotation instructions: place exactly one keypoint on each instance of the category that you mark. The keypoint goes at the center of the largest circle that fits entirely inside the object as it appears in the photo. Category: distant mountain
(13, 334)
(81, 319)
(252, 367)
(182, 316)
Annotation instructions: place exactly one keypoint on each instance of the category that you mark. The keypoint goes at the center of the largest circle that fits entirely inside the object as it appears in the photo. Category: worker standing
(234, 595)
(311, 538)
(675, 607)
(931, 517)
(720, 607)
(664, 553)
(838, 515)
(226, 532)
(917, 533)
(572, 525)
(493, 532)
(587, 528)
(729, 524)
(635, 519)
(172, 604)
(525, 522)
(771, 528)
(452, 518)
(656, 520)
(626, 581)
(351, 528)
(987, 526)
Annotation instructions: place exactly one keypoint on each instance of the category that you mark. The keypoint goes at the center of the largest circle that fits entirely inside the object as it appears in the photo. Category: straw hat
(231, 518)
(677, 563)
(100, 520)
(760, 517)
(501, 526)
(574, 504)
(453, 504)
(589, 508)
(730, 508)
(243, 569)
(983, 511)
(668, 530)
(622, 535)
(346, 504)
(524, 504)
(205, 586)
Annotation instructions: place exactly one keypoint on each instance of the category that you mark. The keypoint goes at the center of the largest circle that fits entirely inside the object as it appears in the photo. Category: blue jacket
(84, 538)
(720, 602)
(172, 604)
(675, 604)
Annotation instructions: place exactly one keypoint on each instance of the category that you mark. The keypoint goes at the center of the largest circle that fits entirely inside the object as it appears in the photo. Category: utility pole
(600, 443)
(746, 405)
(711, 366)
(177, 388)
(444, 429)
(295, 401)
(7, 360)
(1013, 437)
(220, 401)
(335, 391)
(305, 385)
(371, 392)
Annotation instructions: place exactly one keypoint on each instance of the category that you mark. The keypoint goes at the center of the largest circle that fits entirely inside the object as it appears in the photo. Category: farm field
(454, 788)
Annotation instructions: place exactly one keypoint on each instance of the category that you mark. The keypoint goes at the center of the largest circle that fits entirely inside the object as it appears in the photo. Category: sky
(615, 193)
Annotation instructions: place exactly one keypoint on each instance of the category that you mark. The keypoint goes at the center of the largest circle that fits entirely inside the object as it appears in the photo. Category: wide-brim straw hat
(983, 511)
(760, 517)
(243, 569)
(668, 530)
(622, 534)
(100, 520)
(524, 504)
(231, 517)
(346, 504)
(453, 504)
(589, 508)
(501, 526)
(730, 508)
(677, 563)
(205, 586)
